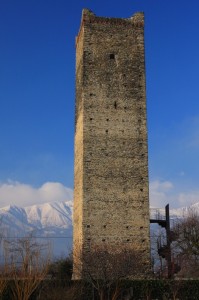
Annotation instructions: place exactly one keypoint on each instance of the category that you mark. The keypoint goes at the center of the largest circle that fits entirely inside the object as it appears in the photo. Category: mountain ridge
(48, 221)
(54, 221)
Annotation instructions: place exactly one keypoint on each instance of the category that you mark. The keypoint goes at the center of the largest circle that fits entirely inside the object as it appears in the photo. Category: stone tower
(111, 199)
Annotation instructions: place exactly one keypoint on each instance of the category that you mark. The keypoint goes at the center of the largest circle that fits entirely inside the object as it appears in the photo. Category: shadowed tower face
(111, 202)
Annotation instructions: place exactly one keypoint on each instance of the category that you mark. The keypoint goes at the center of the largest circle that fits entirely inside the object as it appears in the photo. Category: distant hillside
(53, 222)
(48, 222)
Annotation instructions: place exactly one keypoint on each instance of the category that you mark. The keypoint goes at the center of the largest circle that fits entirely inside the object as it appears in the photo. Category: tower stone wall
(111, 197)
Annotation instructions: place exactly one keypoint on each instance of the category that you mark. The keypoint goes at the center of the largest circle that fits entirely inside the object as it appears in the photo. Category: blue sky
(37, 72)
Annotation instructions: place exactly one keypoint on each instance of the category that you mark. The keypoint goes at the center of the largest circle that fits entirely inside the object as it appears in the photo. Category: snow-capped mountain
(48, 214)
(46, 222)
(53, 222)
(174, 213)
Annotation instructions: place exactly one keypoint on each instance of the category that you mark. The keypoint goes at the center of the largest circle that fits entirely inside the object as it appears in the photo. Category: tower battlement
(88, 17)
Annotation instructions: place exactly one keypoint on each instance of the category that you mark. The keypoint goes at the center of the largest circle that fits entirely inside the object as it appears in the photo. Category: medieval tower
(111, 198)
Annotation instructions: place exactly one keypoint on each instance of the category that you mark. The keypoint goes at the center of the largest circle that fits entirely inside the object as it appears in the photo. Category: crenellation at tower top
(89, 17)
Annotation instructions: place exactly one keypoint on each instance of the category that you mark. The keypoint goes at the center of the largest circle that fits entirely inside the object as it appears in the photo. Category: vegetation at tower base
(61, 269)
(58, 288)
(105, 268)
(130, 289)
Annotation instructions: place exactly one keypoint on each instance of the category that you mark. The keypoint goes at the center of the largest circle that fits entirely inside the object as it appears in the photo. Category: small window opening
(103, 240)
(127, 240)
(112, 56)
(91, 94)
(141, 227)
(139, 120)
(88, 240)
(143, 241)
(123, 143)
(91, 119)
(115, 105)
(106, 130)
(104, 226)
(88, 226)
(127, 227)
(141, 190)
(107, 120)
(125, 107)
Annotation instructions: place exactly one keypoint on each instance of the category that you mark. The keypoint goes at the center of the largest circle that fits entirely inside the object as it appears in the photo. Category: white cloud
(16, 193)
(187, 199)
(163, 192)
(20, 194)
(158, 193)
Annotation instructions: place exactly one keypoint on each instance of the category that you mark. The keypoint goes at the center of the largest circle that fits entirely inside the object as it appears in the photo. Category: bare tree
(159, 264)
(3, 279)
(104, 268)
(28, 263)
(3, 266)
(186, 247)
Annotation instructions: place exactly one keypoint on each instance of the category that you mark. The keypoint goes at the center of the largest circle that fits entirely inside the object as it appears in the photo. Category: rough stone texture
(111, 203)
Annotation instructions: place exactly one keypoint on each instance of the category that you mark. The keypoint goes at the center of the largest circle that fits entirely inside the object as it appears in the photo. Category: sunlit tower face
(111, 199)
